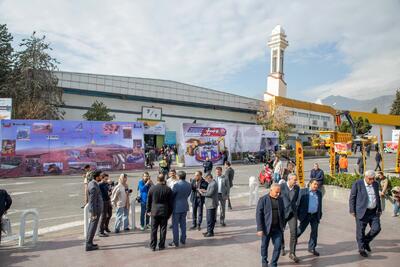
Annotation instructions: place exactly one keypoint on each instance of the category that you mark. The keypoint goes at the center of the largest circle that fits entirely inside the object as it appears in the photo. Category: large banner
(342, 148)
(5, 108)
(269, 139)
(201, 141)
(300, 163)
(244, 138)
(395, 135)
(34, 147)
(153, 127)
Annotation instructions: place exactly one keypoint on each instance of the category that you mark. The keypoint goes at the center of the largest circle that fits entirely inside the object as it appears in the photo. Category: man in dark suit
(229, 173)
(95, 208)
(223, 193)
(365, 206)
(310, 212)
(180, 192)
(5, 204)
(270, 216)
(208, 166)
(290, 196)
(197, 199)
(159, 207)
(211, 203)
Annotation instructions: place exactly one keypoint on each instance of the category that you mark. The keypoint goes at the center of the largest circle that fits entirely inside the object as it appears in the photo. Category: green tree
(375, 110)
(395, 109)
(362, 126)
(98, 112)
(33, 83)
(275, 119)
(6, 58)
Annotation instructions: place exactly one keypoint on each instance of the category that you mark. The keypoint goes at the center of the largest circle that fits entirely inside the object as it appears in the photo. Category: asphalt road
(58, 199)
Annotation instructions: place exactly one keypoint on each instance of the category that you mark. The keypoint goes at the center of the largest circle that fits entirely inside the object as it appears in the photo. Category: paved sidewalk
(234, 245)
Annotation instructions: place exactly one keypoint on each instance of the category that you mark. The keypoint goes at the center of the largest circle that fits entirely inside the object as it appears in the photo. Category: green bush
(344, 180)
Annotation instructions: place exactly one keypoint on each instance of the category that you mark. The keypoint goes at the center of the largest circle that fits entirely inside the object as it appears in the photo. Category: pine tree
(375, 110)
(395, 109)
(6, 58)
(98, 112)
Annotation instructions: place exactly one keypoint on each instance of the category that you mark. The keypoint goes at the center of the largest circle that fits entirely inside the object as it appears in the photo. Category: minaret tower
(276, 86)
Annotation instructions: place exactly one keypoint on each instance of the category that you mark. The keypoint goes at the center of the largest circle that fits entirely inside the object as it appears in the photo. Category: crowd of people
(159, 201)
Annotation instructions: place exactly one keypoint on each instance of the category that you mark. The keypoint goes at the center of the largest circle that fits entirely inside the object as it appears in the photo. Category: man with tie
(95, 205)
(290, 196)
(270, 217)
(197, 200)
(365, 206)
(309, 212)
(180, 193)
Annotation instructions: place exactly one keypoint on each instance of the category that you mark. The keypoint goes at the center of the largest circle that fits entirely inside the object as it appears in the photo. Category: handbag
(6, 225)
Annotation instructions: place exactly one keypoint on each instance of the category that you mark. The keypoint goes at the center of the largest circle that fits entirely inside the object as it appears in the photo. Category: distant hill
(382, 103)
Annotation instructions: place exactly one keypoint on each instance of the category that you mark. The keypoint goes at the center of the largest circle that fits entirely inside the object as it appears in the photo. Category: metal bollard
(253, 194)
(132, 212)
(35, 214)
(190, 215)
(85, 219)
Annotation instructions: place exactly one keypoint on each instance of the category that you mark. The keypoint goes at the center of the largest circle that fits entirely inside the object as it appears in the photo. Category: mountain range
(382, 103)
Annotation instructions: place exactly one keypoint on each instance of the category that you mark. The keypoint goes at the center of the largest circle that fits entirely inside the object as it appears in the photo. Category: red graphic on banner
(213, 132)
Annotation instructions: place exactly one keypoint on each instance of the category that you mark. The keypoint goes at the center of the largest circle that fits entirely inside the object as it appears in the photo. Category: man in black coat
(365, 206)
(290, 196)
(159, 207)
(95, 208)
(229, 173)
(270, 217)
(208, 166)
(378, 159)
(5, 204)
(197, 199)
(310, 212)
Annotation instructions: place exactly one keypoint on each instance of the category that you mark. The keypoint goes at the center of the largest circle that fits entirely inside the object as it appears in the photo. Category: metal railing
(35, 215)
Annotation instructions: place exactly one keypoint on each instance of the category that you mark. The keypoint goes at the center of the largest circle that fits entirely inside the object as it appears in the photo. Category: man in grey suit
(290, 196)
(180, 193)
(229, 173)
(95, 208)
(211, 203)
(223, 193)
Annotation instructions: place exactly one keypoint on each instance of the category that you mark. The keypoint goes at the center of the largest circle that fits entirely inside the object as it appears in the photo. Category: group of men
(288, 204)
(169, 198)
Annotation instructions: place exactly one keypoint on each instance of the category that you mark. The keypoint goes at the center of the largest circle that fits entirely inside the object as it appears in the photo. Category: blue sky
(222, 44)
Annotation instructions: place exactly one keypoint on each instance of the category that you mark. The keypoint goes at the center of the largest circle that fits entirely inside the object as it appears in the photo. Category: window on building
(314, 122)
(325, 123)
(281, 62)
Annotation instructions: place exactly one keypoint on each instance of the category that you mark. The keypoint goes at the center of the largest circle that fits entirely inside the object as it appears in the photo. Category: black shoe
(193, 227)
(367, 247)
(223, 224)
(183, 242)
(117, 231)
(172, 244)
(161, 248)
(294, 258)
(209, 235)
(314, 252)
(107, 230)
(283, 252)
(205, 233)
(95, 245)
(103, 235)
(90, 248)
(153, 249)
(198, 228)
(363, 253)
(127, 229)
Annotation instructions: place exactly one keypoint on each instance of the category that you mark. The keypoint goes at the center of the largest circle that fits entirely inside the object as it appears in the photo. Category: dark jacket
(105, 189)
(378, 157)
(290, 204)
(180, 192)
(318, 175)
(358, 201)
(264, 214)
(203, 185)
(211, 196)
(5, 201)
(159, 200)
(302, 210)
(95, 199)
(208, 166)
(230, 173)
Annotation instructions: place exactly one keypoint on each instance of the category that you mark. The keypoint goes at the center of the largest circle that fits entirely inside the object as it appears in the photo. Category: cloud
(204, 42)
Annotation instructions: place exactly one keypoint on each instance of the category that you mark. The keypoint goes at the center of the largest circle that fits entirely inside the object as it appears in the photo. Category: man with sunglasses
(365, 206)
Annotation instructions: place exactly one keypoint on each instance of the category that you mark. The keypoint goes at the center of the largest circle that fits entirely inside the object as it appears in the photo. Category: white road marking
(24, 193)
(73, 195)
(81, 183)
(17, 183)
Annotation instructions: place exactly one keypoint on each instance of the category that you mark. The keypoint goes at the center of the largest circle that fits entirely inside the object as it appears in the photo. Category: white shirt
(171, 182)
(371, 196)
(219, 181)
(278, 167)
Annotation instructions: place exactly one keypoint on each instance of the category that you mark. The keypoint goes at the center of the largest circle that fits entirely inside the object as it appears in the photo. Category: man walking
(95, 208)
(310, 212)
(229, 173)
(365, 206)
(180, 193)
(290, 195)
(223, 193)
(360, 163)
(270, 216)
(318, 175)
(5, 204)
(197, 199)
(159, 207)
(378, 160)
(107, 207)
(208, 166)
(211, 203)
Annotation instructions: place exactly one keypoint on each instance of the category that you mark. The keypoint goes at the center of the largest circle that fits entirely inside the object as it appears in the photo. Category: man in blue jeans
(143, 189)
(270, 216)
(180, 193)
